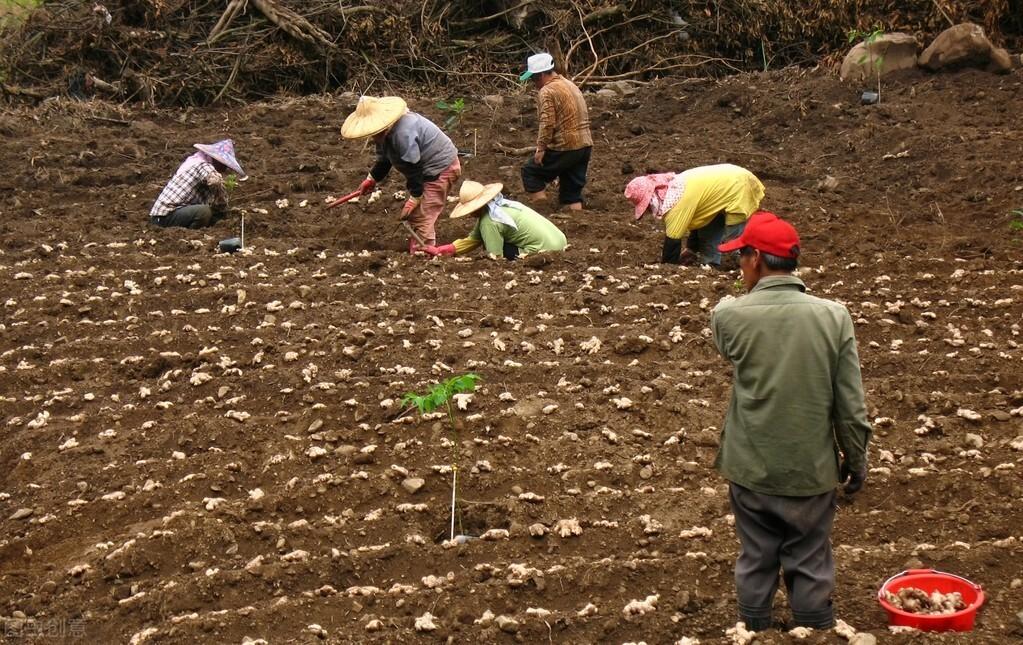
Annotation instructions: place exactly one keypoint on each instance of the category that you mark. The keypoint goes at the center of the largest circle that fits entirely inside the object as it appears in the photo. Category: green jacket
(798, 394)
(535, 233)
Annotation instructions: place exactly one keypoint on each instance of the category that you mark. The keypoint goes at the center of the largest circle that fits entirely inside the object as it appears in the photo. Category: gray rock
(605, 92)
(1001, 61)
(885, 54)
(506, 624)
(413, 484)
(625, 88)
(827, 184)
(972, 440)
(21, 513)
(863, 638)
(963, 44)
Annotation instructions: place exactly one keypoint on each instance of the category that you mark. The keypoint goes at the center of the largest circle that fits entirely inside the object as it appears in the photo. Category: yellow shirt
(710, 190)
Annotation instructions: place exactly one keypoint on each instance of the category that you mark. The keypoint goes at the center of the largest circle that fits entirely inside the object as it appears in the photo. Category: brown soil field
(200, 447)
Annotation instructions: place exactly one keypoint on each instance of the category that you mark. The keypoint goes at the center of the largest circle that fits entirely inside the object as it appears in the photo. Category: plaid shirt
(564, 120)
(195, 182)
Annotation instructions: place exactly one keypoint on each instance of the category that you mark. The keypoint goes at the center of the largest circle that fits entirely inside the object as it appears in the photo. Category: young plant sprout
(1016, 224)
(454, 110)
(440, 396)
(875, 61)
(230, 182)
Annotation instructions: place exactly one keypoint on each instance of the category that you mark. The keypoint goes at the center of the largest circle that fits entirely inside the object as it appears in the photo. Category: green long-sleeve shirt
(798, 394)
(534, 232)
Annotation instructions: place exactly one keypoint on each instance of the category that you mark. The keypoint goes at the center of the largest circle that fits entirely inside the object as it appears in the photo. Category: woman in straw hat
(503, 227)
(195, 196)
(417, 148)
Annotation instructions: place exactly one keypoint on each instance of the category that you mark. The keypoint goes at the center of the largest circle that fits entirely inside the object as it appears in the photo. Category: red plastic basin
(929, 580)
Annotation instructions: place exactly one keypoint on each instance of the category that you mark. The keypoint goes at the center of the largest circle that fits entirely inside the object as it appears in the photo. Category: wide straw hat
(372, 116)
(473, 195)
(222, 151)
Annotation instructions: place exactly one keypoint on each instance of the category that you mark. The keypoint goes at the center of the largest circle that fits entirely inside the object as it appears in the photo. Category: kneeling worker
(196, 197)
(503, 227)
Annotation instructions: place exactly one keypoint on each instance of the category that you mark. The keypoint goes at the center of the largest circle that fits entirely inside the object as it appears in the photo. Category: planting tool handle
(342, 200)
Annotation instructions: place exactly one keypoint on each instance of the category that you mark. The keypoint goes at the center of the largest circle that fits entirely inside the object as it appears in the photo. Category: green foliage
(738, 286)
(877, 62)
(454, 110)
(440, 395)
(14, 12)
(1016, 225)
(231, 182)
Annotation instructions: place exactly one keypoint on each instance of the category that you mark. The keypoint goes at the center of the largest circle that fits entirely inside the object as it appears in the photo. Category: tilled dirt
(202, 448)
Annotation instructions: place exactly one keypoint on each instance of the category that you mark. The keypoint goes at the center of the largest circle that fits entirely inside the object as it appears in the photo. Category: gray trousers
(195, 216)
(788, 533)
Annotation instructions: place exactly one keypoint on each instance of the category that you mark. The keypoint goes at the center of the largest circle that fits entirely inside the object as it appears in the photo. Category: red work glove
(367, 185)
(446, 249)
(410, 205)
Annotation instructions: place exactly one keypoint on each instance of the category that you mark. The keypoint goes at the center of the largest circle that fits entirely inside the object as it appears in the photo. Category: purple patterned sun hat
(223, 151)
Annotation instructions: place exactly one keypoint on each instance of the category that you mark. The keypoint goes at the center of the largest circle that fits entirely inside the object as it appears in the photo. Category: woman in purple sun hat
(196, 197)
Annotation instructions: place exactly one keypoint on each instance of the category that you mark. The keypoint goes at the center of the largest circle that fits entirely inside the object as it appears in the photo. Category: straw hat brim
(383, 113)
(489, 192)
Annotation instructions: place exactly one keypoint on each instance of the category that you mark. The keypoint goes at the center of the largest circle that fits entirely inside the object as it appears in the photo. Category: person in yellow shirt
(710, 204)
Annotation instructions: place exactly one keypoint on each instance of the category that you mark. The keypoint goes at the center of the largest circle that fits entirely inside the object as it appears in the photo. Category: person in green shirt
(503, 227)
(796, 426)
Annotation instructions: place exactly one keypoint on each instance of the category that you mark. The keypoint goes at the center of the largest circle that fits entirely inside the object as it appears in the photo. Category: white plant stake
(440, 396)
(454, 487)
(243, 230)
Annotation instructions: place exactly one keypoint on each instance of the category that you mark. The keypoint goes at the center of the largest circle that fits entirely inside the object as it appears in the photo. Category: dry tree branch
(509, 150)
(582, 24)
(618, 25)
(234, 7)
(475, 21)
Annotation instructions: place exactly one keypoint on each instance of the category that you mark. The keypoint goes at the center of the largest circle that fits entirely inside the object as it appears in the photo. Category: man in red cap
(796, 426)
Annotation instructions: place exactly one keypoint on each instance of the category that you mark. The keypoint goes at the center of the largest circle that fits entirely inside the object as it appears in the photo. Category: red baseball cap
(768, 233)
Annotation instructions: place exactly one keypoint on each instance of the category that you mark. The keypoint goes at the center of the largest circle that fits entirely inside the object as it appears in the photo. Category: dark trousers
(195, 216)
(790, 533)
(567, 166)
(702, 243)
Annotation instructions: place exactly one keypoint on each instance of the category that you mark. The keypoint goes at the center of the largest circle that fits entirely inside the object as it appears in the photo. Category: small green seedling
(877, 62)
(454, 110)
(230, 183)
(738, 286)
(1016, 224)
(440, 396)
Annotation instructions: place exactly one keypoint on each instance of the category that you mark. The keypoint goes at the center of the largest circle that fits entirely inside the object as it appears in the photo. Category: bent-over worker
(195, 196)
(503, 227)
(707, 203)
(417, 148)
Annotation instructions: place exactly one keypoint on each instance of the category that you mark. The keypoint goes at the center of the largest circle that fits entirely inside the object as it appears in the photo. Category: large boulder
(964, 45)
(886, 53)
